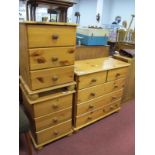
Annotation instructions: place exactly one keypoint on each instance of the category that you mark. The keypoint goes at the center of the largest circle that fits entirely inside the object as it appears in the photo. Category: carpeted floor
(113, 135)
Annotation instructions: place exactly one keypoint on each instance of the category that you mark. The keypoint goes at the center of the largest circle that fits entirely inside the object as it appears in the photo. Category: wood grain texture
(50, 106)
(51, 77)
(117, 73)
(91, 52)
(99, 90)
(91, 79)
(53, 132)
(83, 67)
(23, 55)
(41, 58)
(53, 119)
(90, 117)
(98, 102)
(49, 36)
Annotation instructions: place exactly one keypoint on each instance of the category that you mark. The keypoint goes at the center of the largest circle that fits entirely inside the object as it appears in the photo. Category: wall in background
(123, 8)
(87, 9)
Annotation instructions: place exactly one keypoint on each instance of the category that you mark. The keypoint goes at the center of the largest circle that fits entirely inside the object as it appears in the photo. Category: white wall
(113, 8)
(87, 9)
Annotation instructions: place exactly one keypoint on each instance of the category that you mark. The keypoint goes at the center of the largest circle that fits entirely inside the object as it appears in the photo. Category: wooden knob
(40, 79)
(55, 106)
(92, 94)
(104, 110)
(91, 106)
(93, 80)
(115, 86)
(55, 36)
(41, 60)
(118, 74)
(89, 117)
(111, 107)
(114, 97)
(55, 78)
(71, 51)
(55, 120)
(56, 133)
(54, 59)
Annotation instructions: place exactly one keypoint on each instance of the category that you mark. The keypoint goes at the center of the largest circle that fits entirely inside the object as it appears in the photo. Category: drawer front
(51, 77)
(53, 119)
(50, 106)
(54, 132)
(90, 93)
(99, 90)
(49, 36)
(91, 79)
(41, 58)
(99, 102)
(117, 73)
(114, 85)
(94, 115)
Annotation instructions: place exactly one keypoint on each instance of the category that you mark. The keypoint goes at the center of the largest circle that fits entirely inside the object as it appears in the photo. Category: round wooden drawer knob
(115, 86)
(55, 36)
(118, 74)
(56, 133)
(55, 120)
(93, 80)
(91, 106)
(55, 78)
(89, 117)
(54, 59)
(55, 106)
(92, 94)
(71, 51)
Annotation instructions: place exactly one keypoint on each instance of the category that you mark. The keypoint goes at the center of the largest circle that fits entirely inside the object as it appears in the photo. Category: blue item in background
(93, 40)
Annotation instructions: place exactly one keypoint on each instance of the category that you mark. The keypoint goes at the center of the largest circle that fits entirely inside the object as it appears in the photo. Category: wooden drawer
(91, 79)
(50, 106)
(51, 57)
(114, 85)
(117, 73)
(99, 90)
(47, 36)
(53, 119)
(97, 114)
(53, 132)
(98, 102)
(51, 77)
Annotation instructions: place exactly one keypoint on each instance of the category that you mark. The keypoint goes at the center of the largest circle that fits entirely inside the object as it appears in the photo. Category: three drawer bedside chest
(47, 55)
(99, 89)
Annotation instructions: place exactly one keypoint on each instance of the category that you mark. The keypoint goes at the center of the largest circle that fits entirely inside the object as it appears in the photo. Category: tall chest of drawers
(47, 54)
(99, 91)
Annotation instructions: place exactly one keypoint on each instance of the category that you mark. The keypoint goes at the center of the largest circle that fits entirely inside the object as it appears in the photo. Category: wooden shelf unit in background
(129, 90)
(47, 55)
(91, 52)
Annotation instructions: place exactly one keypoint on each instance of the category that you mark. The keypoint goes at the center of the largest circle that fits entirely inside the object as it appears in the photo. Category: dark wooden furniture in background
(60, 5)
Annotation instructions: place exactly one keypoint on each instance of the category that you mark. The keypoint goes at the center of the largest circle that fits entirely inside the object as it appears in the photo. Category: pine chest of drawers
(47, 54)
(99, 89)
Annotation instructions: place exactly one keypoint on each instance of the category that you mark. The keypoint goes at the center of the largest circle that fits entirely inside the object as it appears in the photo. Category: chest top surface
(83, 67)
(48, 23)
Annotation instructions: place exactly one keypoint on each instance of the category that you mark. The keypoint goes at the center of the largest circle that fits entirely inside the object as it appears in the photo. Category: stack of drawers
(99, 91)
(47, 52)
